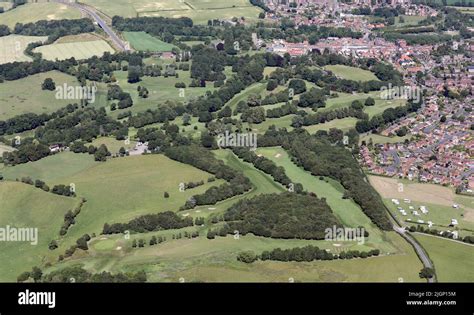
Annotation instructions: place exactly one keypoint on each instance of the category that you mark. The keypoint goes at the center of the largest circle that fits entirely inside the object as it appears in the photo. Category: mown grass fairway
(78, 50)
(24, 206)
(454, 262)
(351, 73)
(348, 212)
(146, 42)
(26, 96)
(344, 124)
(33, 12)
(12, 47)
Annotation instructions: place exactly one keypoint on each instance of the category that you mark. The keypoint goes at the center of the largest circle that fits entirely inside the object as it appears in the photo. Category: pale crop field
(79, 50)
(33, 12)
(12, 47)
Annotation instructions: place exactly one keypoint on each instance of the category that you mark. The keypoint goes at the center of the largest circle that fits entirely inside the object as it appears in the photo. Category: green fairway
(146, 42)
(382, 139)
(345, 100)
(345, 210)
(24, 206)
(453, 261)
(351, 73)
(78, 50)
(26, 96)
(12, 47)
(33, 12)
(344, 124)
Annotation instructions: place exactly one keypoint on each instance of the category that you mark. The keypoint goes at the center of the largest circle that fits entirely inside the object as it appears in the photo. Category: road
(107, 29)
(419, 250)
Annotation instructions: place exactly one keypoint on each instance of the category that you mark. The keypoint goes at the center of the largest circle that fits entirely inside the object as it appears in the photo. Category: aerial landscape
(167, 141)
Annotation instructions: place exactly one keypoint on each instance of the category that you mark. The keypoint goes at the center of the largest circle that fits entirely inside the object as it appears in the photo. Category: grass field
(200, 11)
(409, 20)
(344, 124)
(382, 139)
(345, 100)
(33, 12)
(5, 148)
(113, 145)
(78, 50)
(160, 89)
(351, 73)
(454, 262)
(146, 42)
(12, 47)
(202, 260)
(26, 96)
(23, 206)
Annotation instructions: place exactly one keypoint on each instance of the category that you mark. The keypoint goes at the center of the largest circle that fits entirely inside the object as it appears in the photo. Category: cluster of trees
(268, 166)
(30, 121)
(151, 222)
(322, 117)
(389, 115)
(204, 160)
(192, 185)
(70, 218)
(307, 253)
(318, 155)
(55, 28)
(26, 152)
(63, 190)
(115, 92)
(85, 124)
(81, 275)
(208, 64)
(286, 215)
(166, 112)
(284, 110)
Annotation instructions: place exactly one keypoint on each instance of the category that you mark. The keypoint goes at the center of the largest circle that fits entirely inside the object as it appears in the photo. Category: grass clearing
(12, 47)
(145, 42)
(454, 262)
(33, 12)
(344, 124)
(78, 50)
(351, 73)
(26, 96)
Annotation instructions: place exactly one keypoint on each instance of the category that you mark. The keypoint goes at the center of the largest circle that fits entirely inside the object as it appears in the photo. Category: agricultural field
(12, 47)
(26, 96)
(409, 20)
(453, 261)
(24, 206)
(79, 50)
(351, 73)
(113, 145)
(200, 11)
(33, 12)
(145, 42)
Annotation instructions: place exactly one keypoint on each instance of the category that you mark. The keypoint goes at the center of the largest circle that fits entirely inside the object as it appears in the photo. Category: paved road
(107, 29)
(419, 250)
